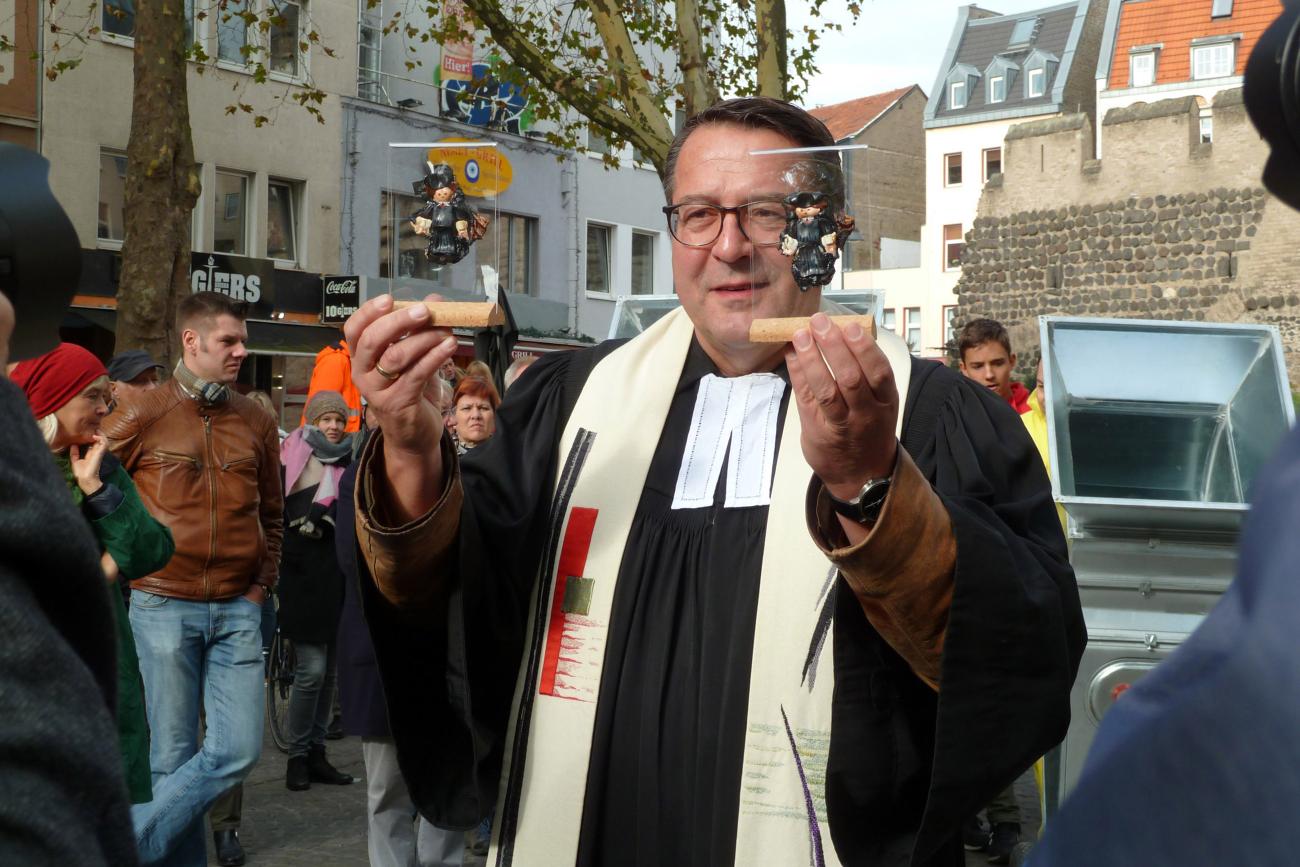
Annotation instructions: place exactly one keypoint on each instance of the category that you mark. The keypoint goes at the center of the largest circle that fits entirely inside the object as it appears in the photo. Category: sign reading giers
(242, 278)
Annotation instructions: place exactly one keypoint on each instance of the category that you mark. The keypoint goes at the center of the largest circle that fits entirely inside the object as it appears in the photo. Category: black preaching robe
(905, 765)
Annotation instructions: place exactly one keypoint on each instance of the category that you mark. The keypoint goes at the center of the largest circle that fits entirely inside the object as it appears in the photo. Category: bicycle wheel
(279, 683)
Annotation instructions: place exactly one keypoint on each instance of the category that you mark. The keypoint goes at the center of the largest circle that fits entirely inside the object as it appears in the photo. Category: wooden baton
(459, 314)
(782, 330)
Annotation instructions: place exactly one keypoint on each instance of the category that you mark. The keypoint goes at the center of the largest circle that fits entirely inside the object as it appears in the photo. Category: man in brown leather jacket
(206, 462)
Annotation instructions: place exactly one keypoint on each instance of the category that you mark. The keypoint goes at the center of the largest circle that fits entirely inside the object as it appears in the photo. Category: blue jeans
(192, 655)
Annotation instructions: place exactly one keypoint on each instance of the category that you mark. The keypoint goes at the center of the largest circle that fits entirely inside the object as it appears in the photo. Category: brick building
(1165, 226)
(1167, 49)
(887, 194)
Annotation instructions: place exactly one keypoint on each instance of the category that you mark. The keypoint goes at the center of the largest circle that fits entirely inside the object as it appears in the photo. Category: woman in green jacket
(68, 391)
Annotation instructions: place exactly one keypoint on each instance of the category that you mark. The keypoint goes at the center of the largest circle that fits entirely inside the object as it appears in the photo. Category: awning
(265, 338)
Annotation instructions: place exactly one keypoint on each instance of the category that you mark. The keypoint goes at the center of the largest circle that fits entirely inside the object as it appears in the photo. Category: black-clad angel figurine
(813, 238)
(447, 220)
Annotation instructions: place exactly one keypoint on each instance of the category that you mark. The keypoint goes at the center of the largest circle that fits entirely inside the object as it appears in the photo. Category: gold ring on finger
(386, 374)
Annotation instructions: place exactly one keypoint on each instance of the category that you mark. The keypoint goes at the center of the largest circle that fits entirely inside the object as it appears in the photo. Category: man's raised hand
(848, 405)
(395, 355)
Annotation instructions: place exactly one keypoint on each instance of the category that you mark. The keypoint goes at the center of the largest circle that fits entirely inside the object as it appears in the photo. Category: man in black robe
(956, 619)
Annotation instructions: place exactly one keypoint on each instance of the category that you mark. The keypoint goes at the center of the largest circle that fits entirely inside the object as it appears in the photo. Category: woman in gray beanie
(311, 583)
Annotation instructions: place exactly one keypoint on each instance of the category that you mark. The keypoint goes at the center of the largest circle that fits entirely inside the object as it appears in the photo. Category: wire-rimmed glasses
(698, 224)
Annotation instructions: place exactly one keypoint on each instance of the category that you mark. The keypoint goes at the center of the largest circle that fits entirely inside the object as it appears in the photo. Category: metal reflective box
(1161, 425)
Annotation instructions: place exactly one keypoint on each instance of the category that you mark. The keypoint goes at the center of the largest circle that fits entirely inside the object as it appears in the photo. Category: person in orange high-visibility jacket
(333, 372)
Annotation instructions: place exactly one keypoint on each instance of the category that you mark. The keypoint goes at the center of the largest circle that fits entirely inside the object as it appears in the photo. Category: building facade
(999, 70)
(1154, 50)
(20, 77)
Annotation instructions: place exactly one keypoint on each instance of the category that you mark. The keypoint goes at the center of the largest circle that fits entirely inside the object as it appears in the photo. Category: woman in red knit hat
(68, 391)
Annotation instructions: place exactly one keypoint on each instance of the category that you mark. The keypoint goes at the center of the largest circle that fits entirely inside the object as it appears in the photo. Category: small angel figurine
(446, 219)
(813, 238)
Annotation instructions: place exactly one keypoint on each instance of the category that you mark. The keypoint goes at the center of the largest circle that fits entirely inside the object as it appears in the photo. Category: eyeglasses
(698, 224)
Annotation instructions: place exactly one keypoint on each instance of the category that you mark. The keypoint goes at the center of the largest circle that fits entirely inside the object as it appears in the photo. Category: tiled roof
(846, 119)
(1173, 24)
(987, 38)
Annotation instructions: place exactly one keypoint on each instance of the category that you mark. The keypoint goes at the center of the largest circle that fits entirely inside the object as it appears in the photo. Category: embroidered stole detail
(606, 451)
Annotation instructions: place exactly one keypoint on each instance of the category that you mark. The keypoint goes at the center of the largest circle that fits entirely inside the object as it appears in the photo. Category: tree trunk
(769, 20)
(701, 90)
(162, 185)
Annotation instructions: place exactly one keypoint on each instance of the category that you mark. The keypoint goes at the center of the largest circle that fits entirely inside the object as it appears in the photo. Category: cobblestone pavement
(325, 826)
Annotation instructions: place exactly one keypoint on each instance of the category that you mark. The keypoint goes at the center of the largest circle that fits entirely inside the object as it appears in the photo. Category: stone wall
(1163, 228)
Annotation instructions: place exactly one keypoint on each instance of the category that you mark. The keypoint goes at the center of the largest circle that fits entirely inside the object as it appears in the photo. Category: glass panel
(507, 246)
(1036, 79)
(643, 263)
(232, 31)
(1023, 31)
(112, 194)
(912, 317)
(119, 17)
(596, 142)
(992, 162)
(1213, 61)
(953, 246)
(1221, 9)
(229, 214)
(997, 88)
(281, 234)
(1142, 69)
(957, 95)
(406, 258)
(952, 169)
(889, 320)
(597, 258)
(1207, 130)
(284, 38)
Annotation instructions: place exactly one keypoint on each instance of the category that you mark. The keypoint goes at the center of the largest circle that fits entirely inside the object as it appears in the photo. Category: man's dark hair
(757, 112)
(207, 306)
(979, 331)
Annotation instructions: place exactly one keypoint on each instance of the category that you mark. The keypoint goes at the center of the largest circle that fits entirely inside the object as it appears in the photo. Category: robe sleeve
(1015, 631)
(902, 573)
(446, 598)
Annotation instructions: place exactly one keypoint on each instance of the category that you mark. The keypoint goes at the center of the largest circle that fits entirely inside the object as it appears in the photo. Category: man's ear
(1013, 359)
(961, 364)
(189, 341)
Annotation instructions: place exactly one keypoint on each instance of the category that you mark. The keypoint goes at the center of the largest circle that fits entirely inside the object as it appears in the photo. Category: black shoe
(335, 731)
(321, 771)
(229, 852)
(975, 834)
(1004, 838)
(298, 776)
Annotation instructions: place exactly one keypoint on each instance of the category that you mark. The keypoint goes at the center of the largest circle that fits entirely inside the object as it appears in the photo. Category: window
(992, 163)
(285, 38)
(949, 332)
(951, 170)
(953, 246)
(232, 31)
(118, 19)
(369, 60)
(679, 118)
(1221, 9)
(889, 319)
(1023, 32)
(1207, 128)
(230, 214)
(112, 194)
(401, 251)
(509, 246)
(598, 258)
(1142, 69)
(1213, 61)
(957, 94)
(596, 142)
(282, 199)
(998, 88)
(912, 316)
(1035, 82)
(643, 263)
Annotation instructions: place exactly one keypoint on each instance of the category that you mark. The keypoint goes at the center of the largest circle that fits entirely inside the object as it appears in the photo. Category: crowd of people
(217, 528)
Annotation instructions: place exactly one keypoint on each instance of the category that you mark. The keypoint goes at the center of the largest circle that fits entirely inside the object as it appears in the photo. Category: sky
(893, 44)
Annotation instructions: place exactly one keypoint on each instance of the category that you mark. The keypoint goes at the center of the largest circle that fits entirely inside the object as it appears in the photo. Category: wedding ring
(386, 374)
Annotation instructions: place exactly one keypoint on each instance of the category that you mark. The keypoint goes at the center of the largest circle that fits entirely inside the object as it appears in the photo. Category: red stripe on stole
(573, 560)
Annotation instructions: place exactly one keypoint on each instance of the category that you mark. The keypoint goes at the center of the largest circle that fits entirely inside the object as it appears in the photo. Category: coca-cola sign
(340, 298)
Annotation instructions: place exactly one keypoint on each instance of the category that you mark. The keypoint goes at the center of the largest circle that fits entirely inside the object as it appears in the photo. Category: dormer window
(1023, 32)
(1142, 69)
(1221, 9)
(1035, 82)
(998, 88)
(957, 94)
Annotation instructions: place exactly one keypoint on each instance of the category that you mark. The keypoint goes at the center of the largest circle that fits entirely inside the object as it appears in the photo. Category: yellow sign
(482, 172)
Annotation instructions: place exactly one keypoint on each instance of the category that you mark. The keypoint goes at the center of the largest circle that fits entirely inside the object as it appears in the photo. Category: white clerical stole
(739, 413)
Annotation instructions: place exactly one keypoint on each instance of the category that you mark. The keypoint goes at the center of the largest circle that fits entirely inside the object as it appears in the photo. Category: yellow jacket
(1036, 423)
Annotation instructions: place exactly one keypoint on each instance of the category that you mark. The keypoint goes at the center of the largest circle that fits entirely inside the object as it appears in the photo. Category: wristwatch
(865, 507)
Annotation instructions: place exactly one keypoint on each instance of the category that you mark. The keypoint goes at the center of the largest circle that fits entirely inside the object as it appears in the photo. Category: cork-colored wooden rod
(782, 330)
(459, 314)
